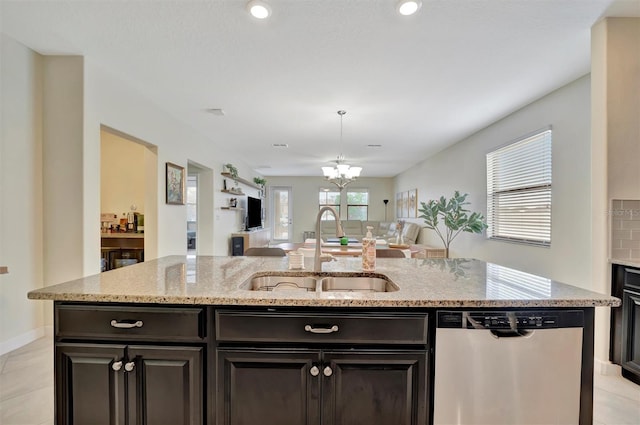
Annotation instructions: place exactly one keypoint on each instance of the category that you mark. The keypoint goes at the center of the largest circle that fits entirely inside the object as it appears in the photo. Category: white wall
(112, 103)
(305, 199)
(21, 207)
(463, 167)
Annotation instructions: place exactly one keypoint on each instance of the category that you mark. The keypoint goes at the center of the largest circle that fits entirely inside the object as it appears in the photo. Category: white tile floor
(26, 390)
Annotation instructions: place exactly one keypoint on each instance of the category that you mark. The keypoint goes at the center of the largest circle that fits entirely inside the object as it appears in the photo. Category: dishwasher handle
(508, 333)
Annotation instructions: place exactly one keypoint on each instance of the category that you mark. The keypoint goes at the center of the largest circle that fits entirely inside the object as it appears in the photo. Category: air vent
(280, 145)
(374, 146)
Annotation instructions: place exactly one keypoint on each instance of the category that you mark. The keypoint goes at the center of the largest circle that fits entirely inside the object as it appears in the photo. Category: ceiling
(413, 85)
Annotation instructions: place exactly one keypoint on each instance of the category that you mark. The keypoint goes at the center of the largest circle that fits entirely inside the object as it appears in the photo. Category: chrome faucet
(318, 258)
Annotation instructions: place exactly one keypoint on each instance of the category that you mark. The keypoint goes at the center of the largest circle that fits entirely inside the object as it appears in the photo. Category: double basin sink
(315, 283)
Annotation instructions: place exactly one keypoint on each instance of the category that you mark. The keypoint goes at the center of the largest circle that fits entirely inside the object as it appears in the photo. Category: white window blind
(519, 190)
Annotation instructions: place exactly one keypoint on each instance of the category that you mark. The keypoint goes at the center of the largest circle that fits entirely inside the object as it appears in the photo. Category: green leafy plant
(232, 170)
(453, 217)
(259, 181)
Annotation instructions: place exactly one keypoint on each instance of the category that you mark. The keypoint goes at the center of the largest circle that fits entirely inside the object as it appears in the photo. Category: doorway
(128, 199)
(281, 213)
(199, 203)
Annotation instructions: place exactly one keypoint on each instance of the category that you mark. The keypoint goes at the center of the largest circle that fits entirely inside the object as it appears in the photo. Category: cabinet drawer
(632, 278)
(135, 323)
(357, 328)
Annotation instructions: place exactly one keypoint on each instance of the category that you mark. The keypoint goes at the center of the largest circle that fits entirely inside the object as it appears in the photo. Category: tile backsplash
(625, 229)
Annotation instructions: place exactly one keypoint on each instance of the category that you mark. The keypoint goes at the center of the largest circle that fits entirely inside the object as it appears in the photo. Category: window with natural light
(519, 190)
(358, 204)
(330, 198)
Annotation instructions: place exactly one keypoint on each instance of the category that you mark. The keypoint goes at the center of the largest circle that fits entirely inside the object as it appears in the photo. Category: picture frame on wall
(175, 184)
(412, 203)
(399, 204)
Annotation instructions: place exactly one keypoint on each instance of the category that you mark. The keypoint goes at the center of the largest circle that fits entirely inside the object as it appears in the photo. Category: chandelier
(342, 174)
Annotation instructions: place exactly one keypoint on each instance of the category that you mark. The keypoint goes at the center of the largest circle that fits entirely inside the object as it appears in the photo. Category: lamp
(342, 174)
(259, 9)
(408, 7)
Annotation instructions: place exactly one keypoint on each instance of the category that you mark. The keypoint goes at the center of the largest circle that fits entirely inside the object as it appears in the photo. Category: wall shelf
(232, 192)
(243, 181)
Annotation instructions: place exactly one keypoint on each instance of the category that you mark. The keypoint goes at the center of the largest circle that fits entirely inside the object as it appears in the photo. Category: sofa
(357, 229)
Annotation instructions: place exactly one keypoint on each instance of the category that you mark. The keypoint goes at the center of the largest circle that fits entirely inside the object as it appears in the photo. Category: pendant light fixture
(342, 174)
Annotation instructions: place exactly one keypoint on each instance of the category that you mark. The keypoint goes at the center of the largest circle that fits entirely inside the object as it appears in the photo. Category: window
(357, 204)
(329, 198)
(519, 190)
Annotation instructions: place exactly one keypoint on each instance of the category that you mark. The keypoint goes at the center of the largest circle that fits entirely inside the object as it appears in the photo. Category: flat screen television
(254, 213)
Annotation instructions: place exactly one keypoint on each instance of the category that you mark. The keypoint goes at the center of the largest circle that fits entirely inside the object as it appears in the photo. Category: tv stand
(254, 238)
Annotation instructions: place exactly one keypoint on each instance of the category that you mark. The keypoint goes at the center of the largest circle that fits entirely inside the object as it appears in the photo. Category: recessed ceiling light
(259, 9)
(216, 111)
(408, 7)
(280, 145)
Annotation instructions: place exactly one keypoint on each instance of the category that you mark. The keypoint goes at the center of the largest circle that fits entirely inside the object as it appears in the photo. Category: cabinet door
(374, 388)
(90, 384)
(631, 334)
(268, 387)
(165, 385)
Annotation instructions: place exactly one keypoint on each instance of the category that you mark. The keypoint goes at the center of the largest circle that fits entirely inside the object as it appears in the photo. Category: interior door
(281, 213)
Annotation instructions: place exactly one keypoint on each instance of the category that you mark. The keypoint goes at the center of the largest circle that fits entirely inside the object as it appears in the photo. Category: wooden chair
(390, 253)
(265, 252)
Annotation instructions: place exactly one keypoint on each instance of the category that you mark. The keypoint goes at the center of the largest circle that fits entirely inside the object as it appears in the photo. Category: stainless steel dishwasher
(508, 367)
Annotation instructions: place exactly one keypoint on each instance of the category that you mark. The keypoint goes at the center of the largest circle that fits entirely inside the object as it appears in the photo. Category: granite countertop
(631, 262)
(422, 282)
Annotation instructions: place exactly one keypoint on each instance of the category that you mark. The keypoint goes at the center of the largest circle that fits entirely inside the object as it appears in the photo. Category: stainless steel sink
(314, 283)
(357, 284)
(281, 283)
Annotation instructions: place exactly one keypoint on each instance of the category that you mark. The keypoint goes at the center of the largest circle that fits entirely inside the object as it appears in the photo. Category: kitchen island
(183, 340)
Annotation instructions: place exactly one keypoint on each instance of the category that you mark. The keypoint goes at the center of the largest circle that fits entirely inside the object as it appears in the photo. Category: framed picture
(399, 204)
(175, 184)
(412, 203)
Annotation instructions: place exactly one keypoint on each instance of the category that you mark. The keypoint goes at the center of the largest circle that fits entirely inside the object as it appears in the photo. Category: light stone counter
(631, 262)
(422, 283)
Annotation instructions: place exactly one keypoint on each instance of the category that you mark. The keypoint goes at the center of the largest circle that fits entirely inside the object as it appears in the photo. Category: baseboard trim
(23, 339)
(606, 367)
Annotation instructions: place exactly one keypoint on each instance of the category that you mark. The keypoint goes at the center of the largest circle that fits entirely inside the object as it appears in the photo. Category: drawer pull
(129, 366)
(314, 371)
(313, 330)
(117, 365)
(120, 325)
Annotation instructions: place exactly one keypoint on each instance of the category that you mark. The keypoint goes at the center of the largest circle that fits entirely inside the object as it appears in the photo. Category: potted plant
(453, 216)
(259, 181)
(232, 170)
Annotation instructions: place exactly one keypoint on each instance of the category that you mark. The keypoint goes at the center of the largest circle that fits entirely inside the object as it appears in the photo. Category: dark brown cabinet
(377, 380)
(625, 321)
(89, 390)
(631, 335)
(120, 365)
(115, 384)
(311, 387)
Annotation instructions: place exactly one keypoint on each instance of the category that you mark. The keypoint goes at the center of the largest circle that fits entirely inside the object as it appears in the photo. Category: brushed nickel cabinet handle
(117, 365)
(327, 371)
(314, 371)
(122, 325)
(313, 330)
(129, 366)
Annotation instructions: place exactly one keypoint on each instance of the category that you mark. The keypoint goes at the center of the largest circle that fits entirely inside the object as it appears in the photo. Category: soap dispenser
(369, 251)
